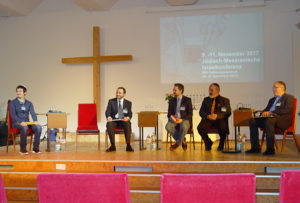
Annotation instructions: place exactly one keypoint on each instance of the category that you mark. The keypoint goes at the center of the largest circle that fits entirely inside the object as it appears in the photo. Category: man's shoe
(184, 144)
(111, 149)
(208, 147)
(174, 146)
(269, 152)
(23, 152)
(253, 151)
(36, 151)
(129, 148)
(220, 148)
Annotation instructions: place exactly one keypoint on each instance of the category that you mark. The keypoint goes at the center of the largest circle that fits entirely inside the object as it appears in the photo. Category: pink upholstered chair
(2, 191)
(208, 188)
(289, 186)
(79, 188)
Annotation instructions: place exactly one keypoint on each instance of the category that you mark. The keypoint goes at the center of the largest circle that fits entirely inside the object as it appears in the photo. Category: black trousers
(111, 126)
(267, 123)
(205, 124)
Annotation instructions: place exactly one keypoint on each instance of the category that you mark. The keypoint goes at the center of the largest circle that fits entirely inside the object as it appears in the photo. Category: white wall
(31, 49)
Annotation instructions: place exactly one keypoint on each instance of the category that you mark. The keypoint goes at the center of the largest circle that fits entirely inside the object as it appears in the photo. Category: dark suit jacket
(187, 113)
(222, 108)
(283, 112)
(112, 108)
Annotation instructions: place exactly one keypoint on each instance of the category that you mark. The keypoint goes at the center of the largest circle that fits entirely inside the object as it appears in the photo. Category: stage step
(22, 186)
(138, 196)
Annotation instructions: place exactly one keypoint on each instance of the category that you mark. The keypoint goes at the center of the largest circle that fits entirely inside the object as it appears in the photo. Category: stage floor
(88, 151)
(19, 172)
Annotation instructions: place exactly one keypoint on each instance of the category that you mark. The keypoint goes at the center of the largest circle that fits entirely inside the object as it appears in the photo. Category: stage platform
(144, 168)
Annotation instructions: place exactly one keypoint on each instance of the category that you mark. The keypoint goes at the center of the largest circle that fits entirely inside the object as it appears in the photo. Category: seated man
(118, 113)
(19, 111)
(180, 113)
(214, 111)
(278, 113)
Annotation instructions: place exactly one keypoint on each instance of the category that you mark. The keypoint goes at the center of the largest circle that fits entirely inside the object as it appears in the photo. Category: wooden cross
(96, 59)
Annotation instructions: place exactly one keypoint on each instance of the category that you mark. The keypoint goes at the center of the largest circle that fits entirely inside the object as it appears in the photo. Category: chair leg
(190, 141)
(106, 140)
(30, 146)
(201, 142)
(194, 141)
(8, 139)
(14, 144)
(275, 141)
(76, 141)
(262, 140)
(296, 142)
(227, 141)
(99, 141)
(283, 140)
(167, 140)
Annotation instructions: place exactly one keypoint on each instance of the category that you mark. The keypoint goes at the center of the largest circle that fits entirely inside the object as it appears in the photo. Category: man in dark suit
(180, 114)
(214, 111)
(278, 113)
(118, 113)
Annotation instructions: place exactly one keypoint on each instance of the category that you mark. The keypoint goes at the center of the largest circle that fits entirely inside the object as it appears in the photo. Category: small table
(241, 118)
(55, 120)
(147, 119)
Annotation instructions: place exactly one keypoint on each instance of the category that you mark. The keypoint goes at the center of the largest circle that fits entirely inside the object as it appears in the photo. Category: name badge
(125, 111)
(182, 108)
(223, 109)
(278, 104)
(23, 108)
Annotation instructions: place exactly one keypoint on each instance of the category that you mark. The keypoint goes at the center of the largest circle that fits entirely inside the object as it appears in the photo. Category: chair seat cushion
(87, 131)
(87, 127)
(16, 130)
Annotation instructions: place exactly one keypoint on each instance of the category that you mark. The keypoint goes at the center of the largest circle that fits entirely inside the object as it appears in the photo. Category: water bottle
(153, 142)
(57, 144)
(239, 143)
(63, 143)
(148, 143)
(244, 141)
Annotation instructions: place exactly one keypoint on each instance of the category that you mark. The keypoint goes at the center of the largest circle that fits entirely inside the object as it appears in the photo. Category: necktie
(178, 108)
(120, 110)
(212, 111)
(273, 107)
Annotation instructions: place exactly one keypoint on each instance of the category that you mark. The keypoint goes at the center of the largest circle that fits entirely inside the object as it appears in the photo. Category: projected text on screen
(223, 48)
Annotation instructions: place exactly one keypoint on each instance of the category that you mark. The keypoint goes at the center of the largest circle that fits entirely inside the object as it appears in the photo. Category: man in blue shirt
(180, 107)
(19, 111)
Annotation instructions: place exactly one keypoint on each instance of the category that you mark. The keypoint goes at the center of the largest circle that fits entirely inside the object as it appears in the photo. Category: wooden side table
(55, 120)
(241, 118)
(147, 119)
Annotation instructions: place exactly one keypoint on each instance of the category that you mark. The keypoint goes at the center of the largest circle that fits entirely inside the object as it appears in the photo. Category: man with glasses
(278, 113)
(19, 111)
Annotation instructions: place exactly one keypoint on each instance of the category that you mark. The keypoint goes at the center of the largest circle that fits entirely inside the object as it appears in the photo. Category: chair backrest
(2, 191)
(75, 188)
(208, 188)
(294, 119)
(289, 186)
(87, 117)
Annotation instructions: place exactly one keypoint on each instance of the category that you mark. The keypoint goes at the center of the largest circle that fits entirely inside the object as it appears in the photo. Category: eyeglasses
(275, 87)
